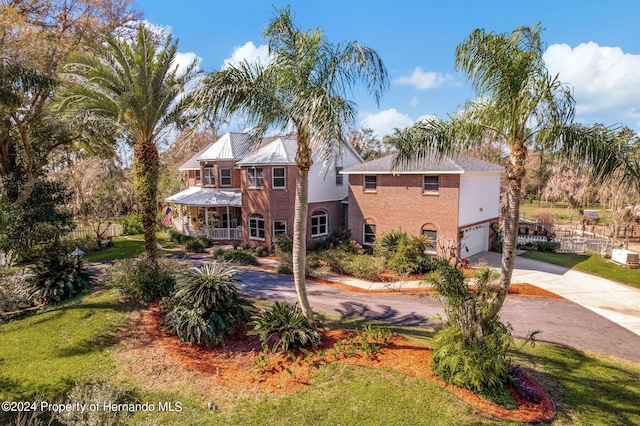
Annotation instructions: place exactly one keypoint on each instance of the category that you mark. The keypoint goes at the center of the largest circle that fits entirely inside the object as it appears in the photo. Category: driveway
(562, 322)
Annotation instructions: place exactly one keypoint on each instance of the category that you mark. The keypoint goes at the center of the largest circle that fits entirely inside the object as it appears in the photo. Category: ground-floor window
(432, 235)
(319, 224)
(279, 227)
(256, 227)
(369, 234)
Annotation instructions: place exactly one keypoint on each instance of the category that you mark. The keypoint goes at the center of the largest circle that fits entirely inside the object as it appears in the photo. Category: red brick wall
(279, 204)
(400, 203)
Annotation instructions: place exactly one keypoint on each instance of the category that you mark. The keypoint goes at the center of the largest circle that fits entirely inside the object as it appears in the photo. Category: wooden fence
(602, 246)
(114, 230)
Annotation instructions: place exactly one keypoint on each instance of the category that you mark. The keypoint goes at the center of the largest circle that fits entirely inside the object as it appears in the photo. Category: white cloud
(605, 80)
(183, 60)
(426, 80)
(383, 122)
(248, 52)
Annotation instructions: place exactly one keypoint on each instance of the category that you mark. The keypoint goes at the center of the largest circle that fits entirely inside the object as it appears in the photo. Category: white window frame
(280, 231)
(254, 177)
(317, 228)
(339, 177)
(424, 184)
(255, 230)
(365, 234)
(283, 177)
(434, 241)
(222, 178)
(367, 186)
(208, 175)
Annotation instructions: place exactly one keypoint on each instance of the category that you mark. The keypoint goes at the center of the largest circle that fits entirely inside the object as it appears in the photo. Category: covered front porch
(208, 211)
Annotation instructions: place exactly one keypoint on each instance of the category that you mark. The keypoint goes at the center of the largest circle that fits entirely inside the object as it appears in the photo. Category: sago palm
(303, 89)
(133, 87)
(520, 103)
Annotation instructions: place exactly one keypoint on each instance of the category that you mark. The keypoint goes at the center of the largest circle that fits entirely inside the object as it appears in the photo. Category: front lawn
(592, 264)
(129, 246)
(42, 356)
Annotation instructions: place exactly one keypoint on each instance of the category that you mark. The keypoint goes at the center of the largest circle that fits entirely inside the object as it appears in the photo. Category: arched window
(256, 227)
(319, 224)
(431, 232)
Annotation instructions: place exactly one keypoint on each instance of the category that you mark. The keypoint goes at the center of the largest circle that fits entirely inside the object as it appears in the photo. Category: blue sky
(593, 45)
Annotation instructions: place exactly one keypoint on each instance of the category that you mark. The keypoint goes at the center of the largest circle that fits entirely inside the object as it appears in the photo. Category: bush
(364, 266)
(283, 243)
(243, 257)
(135, 279)
(548, 246)
(429, 263)
(194, 245)
(401, 251)
(131, 225)
(98, 393)
(333, 240)
(334, 260)
(286, 324)
(68, 245)
(55, 278)
(261, 251)
(351, 247)
(205, 239)
(207, 307)
(176, 237)
(12, 292)
(284, 268)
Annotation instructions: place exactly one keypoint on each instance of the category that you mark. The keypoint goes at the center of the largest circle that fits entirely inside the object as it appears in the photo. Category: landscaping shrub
(207, 307)
(135, 279)
(364, 266)
(194, 245)
(287, 326)
(283, 268)
(55, 278)
(243, 257)
(351, 247)
(98, 393)
(334, 260)
(12, 292)
(131, 225)
(333, 240)
(176, 237)
(471, 350)
(548, 246)
(205, 239)
(68, 245)
(402, 252)
(283, 243)
(429, 263)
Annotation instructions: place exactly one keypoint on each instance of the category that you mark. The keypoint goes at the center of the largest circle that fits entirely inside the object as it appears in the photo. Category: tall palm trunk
(515, 172)
(146, 172)
(303, 159)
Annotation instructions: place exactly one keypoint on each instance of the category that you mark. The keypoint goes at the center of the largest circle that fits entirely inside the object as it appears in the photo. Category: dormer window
(208, 175)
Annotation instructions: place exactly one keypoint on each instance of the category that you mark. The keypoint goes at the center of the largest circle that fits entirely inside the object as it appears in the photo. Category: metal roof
(193, 163)
(279, 152)
(207, 197)
(431, 164)
(231, 146)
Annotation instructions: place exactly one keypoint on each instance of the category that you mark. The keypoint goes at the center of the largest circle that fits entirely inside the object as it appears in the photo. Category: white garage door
(475, 240)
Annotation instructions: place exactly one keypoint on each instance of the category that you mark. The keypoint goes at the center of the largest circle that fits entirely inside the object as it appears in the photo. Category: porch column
(228, 224)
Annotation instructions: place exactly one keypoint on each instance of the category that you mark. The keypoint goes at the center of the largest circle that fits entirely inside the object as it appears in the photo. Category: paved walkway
(616, 302)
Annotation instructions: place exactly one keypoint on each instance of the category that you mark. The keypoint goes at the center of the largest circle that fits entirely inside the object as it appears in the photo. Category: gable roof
(193, 163)
(279, 152)
(231, 146)
(431, 164)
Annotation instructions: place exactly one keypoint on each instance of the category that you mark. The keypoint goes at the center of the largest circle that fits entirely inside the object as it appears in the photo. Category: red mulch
(149, 354)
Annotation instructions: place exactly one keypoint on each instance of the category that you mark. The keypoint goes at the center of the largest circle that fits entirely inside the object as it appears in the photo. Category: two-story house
(452, 200)
(240, 191)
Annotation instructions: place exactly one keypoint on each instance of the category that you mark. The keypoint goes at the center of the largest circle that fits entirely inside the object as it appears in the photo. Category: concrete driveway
(617, 302)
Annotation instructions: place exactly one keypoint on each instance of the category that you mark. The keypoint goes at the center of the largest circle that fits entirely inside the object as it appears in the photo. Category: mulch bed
(156, 358)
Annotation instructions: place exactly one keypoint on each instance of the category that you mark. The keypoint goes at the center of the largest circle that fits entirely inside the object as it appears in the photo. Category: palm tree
(135, 89)
(521, 104)
(302, 89)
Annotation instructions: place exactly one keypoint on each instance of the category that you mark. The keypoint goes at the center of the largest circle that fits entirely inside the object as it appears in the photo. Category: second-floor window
(208, 176)
(225, 177)
(430, 184)
(339, 177)
(370, 183)
(197, 177)
(254, 177)
(279, 177)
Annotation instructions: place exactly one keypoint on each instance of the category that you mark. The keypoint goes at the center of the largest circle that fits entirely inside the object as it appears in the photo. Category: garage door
(475, 240)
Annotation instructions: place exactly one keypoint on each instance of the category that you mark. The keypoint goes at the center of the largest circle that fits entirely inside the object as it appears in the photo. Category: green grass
(592, 264)
(130, 246)
(46, 353)
(43, 355)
